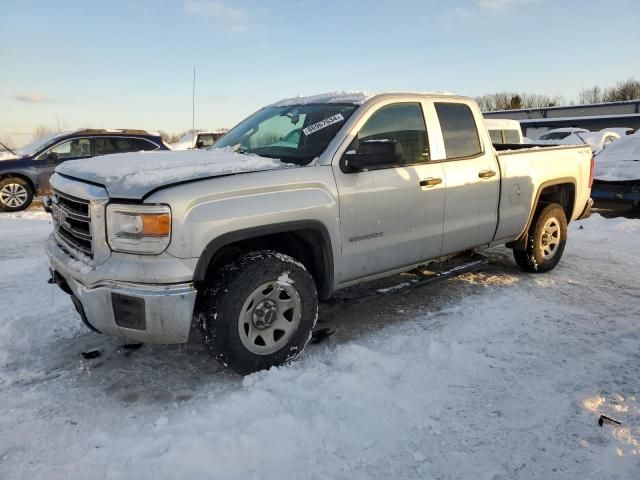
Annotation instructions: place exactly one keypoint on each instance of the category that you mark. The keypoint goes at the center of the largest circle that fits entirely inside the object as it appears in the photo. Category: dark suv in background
(26, 171)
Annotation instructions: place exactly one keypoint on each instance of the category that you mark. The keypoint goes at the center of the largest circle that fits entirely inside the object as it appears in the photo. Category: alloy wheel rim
(550, 238)
(13, 195)
(269, 317)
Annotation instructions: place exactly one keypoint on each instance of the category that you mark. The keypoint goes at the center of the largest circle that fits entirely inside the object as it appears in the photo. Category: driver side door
(73, 149)
(392, 216)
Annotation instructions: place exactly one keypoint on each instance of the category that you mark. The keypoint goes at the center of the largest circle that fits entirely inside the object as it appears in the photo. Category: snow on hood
(133, 175)
(620, 161)
(594, 139)
(7, 156)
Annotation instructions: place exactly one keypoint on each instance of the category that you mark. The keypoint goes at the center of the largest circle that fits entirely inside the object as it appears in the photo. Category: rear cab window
(459, 130)
(511, 136)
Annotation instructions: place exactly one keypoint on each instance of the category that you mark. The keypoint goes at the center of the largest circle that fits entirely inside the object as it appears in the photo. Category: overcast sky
(129, 63)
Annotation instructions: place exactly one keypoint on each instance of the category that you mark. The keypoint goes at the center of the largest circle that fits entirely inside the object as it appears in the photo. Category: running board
(449, 269)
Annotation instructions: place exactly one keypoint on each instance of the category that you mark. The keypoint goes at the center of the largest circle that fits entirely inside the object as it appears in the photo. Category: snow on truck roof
(354, 97)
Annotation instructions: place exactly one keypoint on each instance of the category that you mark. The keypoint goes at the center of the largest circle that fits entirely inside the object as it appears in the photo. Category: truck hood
(134, 175)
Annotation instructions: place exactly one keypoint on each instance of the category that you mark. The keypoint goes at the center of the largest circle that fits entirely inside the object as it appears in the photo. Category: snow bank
(620, 161)
(489, 380)
(136, 173)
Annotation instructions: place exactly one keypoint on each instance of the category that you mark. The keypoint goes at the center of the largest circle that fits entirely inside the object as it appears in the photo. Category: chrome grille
(72, 219)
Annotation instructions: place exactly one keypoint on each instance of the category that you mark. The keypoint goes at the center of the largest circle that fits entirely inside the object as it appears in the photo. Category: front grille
(72, 219)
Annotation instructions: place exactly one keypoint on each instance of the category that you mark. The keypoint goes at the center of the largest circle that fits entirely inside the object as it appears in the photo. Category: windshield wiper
(8, 149)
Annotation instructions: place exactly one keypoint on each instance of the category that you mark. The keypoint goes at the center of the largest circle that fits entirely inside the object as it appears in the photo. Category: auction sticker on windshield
(323, 123)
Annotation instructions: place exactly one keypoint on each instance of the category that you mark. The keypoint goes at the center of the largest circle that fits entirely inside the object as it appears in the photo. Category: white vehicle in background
(622, 131)
(559, 134)
(198, 140)
(598, 141)
(617, 173)
(504, 131)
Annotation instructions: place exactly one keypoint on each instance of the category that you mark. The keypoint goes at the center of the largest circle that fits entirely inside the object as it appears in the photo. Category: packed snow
(132, 174)
(620, 161)
(493, 375)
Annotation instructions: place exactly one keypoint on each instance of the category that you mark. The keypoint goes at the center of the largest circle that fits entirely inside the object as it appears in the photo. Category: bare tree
(625, 90)
(43, 130)
(510, 100)
(591, 95)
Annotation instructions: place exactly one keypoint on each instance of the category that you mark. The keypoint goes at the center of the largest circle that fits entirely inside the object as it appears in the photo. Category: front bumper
(150, 313)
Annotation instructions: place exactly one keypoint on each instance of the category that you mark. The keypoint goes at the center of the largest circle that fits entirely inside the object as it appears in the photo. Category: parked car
(198, 140)
(622, 131)
(617, 172)
(25, 173)
(247, 236)
(560, 133)
(504, 131)
(598, 141)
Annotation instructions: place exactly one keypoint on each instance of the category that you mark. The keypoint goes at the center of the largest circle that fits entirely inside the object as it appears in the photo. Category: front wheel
(546, 240)
(15, 194)
(259, 312)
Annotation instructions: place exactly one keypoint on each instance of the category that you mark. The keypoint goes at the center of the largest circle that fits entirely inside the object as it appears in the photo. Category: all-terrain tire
(15, 194)
(546, 240)
(240, 313)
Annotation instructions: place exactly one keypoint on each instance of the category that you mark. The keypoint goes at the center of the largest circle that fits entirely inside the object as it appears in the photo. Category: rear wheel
(546, 240)
(259, 312)
(15, 194)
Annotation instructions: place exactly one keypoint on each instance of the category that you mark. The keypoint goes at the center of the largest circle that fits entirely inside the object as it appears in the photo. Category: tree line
(624, 90)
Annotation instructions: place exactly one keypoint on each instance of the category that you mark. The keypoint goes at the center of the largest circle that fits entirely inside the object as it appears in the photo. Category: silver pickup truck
(304, 197)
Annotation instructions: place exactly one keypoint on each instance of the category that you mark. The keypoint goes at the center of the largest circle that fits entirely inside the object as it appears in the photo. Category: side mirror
(52, 157)
(199, 144)
(373, 154)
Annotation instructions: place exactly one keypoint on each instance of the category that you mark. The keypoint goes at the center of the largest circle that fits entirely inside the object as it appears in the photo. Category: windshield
(294, 134)
(38, 144)
(555, 136)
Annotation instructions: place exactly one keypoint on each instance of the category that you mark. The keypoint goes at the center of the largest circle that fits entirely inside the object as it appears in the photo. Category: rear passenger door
(472, 177)
(393, 216)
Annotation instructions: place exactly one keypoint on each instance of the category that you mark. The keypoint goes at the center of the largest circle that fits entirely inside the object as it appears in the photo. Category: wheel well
(308, 246)
(563, 194)
(20, 176)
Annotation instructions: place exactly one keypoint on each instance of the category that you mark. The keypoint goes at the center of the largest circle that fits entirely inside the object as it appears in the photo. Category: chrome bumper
(167, 309)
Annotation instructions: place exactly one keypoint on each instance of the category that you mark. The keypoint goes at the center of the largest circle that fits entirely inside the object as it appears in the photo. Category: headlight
(144, 229)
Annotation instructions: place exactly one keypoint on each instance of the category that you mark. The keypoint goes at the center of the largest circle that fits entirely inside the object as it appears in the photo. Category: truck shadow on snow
(161, 374)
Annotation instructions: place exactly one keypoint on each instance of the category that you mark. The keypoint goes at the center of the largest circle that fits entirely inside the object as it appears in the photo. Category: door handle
(430, 182)
(486, 174)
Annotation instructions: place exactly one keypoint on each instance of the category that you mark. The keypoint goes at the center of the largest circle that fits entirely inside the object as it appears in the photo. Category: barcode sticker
(323, 123)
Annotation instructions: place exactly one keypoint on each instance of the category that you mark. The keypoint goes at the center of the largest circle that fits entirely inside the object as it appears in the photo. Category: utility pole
(193, 103)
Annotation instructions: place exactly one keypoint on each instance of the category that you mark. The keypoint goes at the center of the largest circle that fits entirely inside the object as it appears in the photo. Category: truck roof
(355, 97)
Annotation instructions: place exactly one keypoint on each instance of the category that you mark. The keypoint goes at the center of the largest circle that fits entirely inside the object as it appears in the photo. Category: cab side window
(458, 130)
(145, 145)
(123, 145)
(76, 148)
(402, 123)
(496, 136)
(512, 136)
(103, 146)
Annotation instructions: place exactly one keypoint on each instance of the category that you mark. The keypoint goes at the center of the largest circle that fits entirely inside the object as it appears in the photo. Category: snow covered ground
(493, 375)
